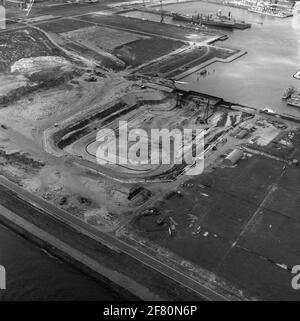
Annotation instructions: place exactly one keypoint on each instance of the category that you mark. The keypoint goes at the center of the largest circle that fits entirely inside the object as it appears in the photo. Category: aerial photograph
(149, 152)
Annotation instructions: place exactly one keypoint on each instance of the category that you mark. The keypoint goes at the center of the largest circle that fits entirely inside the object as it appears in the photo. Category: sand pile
(29, 66)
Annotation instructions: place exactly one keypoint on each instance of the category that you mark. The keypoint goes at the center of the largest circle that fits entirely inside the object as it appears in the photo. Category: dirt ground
(57, 181)
(24, 116)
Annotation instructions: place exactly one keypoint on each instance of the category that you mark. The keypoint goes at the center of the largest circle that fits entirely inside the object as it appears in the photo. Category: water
(259, 78)
(32, 274)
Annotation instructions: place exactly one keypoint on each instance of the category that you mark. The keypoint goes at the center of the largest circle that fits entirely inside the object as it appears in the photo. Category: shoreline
(95, 257)
(45, 242)
(55, 254)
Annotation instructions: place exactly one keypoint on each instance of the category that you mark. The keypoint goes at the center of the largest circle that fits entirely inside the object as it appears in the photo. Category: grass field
(129, 46)
(64, 25)
(244, 226)
(141, 51)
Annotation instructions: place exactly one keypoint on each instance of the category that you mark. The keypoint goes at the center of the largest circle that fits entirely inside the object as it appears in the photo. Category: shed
(242, 134)
(233, 157)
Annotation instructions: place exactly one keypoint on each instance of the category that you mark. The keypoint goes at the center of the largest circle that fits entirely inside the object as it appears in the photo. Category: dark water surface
(32, 274)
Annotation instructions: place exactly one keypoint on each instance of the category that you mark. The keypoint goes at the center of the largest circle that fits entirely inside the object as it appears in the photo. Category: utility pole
(161, 12)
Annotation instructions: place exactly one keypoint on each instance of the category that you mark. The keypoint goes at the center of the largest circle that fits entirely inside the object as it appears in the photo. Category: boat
(238, 24)
(203, 72)
(288, 92)
(182, 17)
(241, 25)
(294, 100)
(204, 20)
(216, 22)
(268, 111)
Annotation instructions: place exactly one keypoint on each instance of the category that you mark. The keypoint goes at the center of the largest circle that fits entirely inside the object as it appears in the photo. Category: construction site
(67, 74)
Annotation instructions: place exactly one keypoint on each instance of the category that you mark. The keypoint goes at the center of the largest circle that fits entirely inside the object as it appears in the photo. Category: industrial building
(235, 156)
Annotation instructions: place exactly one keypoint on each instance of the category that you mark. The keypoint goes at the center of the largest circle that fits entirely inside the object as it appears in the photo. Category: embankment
(96, 258)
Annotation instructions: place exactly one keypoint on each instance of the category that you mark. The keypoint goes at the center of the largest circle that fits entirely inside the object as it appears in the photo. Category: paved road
(204, 292)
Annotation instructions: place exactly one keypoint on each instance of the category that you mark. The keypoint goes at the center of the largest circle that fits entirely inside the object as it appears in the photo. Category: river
(259, 78)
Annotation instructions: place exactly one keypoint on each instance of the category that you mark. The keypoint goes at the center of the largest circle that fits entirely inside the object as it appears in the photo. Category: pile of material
(29, 66)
